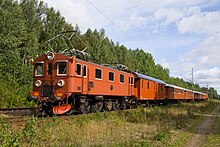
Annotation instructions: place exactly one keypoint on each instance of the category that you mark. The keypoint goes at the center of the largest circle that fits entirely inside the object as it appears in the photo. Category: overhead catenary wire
(115, 24)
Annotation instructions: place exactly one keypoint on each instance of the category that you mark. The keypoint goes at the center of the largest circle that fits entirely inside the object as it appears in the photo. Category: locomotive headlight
(60, 83)
(38, 83)
(50, 56)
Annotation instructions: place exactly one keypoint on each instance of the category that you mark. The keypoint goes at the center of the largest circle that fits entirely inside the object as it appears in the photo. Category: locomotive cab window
(78, 69)
(111, 76)
(98, 73)
(122, 78)
(61, 67)
(39, 69)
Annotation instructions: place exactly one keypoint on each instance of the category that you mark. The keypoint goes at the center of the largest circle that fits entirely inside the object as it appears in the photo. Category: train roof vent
(80, 54)
(122, 67)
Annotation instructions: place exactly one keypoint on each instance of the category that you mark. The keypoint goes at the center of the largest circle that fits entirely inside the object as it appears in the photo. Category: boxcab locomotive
(63, 83)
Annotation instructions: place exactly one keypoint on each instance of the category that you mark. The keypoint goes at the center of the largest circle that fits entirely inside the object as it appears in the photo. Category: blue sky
(180, 34)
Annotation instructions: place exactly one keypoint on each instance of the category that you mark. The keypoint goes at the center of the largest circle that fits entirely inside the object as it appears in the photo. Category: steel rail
(17, 108)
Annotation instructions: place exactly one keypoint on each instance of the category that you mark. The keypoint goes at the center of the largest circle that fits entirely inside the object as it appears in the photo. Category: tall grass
(137, 127)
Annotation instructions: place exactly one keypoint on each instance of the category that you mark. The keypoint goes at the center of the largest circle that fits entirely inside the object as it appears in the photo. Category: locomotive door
(130, 83)
(85, 80)
(159, 96)
(156, 91)
(48, 72)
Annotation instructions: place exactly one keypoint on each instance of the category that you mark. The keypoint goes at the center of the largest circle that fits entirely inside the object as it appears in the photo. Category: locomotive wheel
(97, 107)
(84, 107)
(108, 105)
(123, 105)
(116, 105)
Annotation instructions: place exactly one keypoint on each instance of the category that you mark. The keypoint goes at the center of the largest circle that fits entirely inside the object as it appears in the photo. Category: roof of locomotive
(141, 76)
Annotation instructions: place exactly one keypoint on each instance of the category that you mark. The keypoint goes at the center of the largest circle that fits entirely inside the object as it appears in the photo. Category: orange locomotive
(64, 83)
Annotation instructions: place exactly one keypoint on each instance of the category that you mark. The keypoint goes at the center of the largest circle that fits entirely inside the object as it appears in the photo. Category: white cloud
(209, 73)
(203, 23)
(164, 17)
(208, 76)
(74, 12)
(207, 52)
(187, 20)
(167, 15)
(165, 64)
(135, 20)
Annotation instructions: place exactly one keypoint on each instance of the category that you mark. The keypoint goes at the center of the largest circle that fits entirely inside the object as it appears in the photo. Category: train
(65, 83)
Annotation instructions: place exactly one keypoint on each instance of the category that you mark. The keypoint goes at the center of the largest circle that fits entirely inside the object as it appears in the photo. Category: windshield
(39, 69)
(61, 67)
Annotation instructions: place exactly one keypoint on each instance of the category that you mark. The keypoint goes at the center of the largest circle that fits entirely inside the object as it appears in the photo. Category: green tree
(12, 26)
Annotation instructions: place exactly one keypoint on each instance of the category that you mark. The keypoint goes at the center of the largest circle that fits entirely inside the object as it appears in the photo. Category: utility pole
(191, 80)
(192, 84)
(207, 88)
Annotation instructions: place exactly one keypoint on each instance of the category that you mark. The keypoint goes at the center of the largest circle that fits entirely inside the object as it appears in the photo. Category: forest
(25, 27)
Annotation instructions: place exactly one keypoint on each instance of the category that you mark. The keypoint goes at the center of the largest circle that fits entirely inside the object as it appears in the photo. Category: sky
(180, 34)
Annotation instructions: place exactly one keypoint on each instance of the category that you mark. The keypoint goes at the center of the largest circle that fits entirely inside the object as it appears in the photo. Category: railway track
(18, 111)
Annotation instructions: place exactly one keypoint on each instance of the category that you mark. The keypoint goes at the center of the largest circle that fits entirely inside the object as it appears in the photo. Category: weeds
(139, 127)
(29, 130)
(7, 136)
(161, 136)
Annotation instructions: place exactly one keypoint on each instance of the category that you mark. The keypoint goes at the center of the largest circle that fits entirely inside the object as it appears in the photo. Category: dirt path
(203, 129)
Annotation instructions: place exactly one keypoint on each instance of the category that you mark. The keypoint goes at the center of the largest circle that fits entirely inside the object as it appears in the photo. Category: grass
(213, 139)
(158, 126)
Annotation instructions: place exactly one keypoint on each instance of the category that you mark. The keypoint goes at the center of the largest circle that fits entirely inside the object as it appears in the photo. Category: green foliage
(161, 136)
(7, 136)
